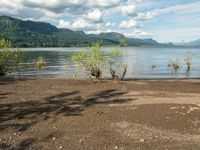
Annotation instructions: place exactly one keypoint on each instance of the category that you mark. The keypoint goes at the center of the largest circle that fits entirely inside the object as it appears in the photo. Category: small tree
(123, 43)
(5, 44)
(95, 61)
(9, 57)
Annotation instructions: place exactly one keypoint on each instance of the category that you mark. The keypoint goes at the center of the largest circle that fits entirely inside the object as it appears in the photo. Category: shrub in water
(40, 63)
(188, 60)
(9, 58)
(95, 61)
(175, 64)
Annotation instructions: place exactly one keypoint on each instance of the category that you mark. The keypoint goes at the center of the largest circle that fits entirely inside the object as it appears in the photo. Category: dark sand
(52, 114)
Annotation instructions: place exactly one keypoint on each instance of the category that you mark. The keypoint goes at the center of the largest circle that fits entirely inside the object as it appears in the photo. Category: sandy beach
(53, 114)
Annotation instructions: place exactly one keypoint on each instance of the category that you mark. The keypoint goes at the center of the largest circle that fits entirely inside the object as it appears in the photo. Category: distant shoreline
(108, 46)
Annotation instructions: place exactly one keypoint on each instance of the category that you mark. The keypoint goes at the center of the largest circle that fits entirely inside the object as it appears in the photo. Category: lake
(139, 61)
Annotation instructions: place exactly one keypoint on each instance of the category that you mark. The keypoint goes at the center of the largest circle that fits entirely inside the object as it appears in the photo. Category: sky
(162, 20)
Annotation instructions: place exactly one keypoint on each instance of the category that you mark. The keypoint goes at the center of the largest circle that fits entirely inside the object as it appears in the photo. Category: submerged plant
(18, 57)
(175, 64)
(40, 63)
(188, 60)
(153, 67)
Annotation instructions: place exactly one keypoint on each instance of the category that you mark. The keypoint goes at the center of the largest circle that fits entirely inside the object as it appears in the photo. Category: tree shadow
(106, 97)
(31, 143)
(3, 95)
(23, 145)
(4, 80)
(63, 104)
(4, 145)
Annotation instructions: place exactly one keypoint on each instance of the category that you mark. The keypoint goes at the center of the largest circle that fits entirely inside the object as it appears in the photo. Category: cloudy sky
(163, 20)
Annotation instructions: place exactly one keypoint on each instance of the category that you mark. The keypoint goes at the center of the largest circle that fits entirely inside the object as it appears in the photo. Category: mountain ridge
(195, 43)
(41, 34)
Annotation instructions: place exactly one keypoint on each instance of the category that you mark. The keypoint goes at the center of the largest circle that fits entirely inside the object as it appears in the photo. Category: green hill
(39, 34)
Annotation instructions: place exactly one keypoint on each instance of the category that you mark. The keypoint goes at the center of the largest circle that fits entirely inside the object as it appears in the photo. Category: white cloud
(110, 24)
(122, 16)
(57, 7)
(95, 16)
(135, 1)
(183, 8)
(79, 24)
(61, 5)
(138, 33)
(129, 24)
(142, 33)
(8, 7)
(146, 16)
(99, 31)
(64, 24)
(129, 10)
(104, 3)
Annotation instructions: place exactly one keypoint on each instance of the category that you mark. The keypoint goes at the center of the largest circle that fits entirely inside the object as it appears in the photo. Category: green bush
(4, 44)
(97, 62)
(9, 58)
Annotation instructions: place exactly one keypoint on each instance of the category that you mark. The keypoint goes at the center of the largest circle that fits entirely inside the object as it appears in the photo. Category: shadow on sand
(15, 115)
(65, 104)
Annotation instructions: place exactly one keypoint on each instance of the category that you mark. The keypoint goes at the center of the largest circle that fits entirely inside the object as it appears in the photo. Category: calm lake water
(139, 61)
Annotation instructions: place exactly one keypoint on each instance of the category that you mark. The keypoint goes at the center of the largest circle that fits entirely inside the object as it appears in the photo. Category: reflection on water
(139, 61)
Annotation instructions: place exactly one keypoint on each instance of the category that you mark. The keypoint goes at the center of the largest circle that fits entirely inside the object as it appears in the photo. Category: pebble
(54, 138)
(142, 140)
(81, 140)
(60, 147)
(116, 147)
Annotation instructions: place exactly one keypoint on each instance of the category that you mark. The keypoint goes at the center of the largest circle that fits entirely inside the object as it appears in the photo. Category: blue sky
(162, 20)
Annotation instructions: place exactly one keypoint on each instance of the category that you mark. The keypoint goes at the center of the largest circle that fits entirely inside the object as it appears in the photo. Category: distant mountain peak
(8, 21)
(195, 43)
